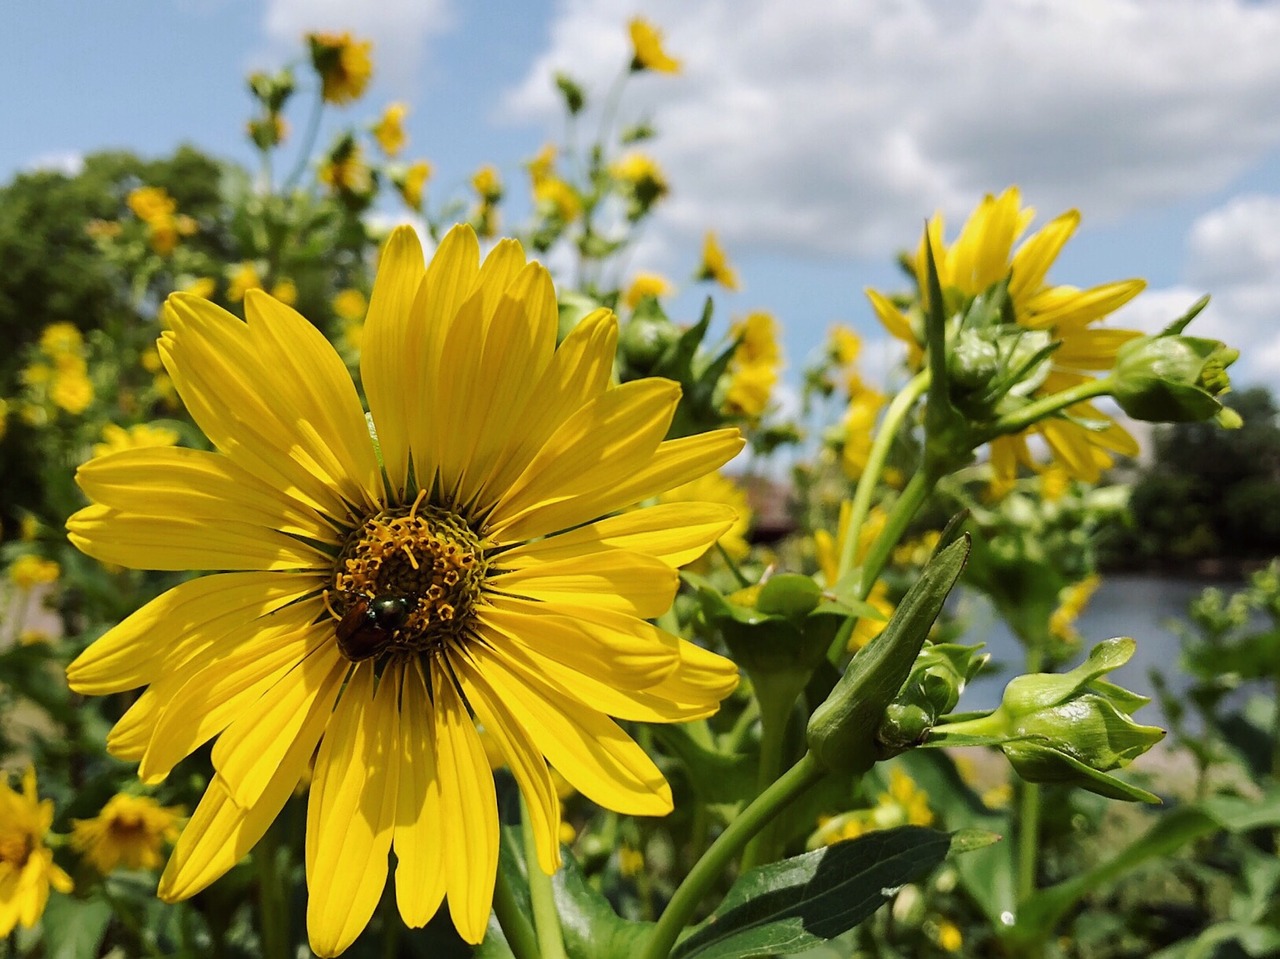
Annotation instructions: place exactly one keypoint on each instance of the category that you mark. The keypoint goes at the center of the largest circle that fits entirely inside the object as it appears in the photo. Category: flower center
(126, 826)
(15, 848)
(407, 580)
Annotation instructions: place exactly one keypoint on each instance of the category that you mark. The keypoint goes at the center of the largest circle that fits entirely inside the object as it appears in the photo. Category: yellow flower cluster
(903, 804)
(159, 211)
(27, 869)
(753, 371)
(63, 374)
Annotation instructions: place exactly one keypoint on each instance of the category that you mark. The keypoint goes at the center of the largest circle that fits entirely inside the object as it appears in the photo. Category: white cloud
(70, 162)
(399, 29)
(834, 128)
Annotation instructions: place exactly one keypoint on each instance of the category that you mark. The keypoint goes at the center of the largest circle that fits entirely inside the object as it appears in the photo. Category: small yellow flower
(487, 183)
(345, 170)
(630, 860)
(753, 371)
(29, 571)
(948, 936)
(61, 339)
(412, 183)
(150, 360)
(71, 391)
(642, 175)
(646, 285)
(36, 374)
(350, 305)
(103, 230)
(151, 203)
(27, 869)
(750, 389)
(859, 423)
(136, 437)
(558, 198)
(286, 291)
(202, 286)
(267, 131)
(130, 831)
(244, 279)
(646, 43)
(28, 528)
(343, 63)
(1071, 603)
(389, 130)
(542, 165)
(844, 345)
(911, 798)
(715, 265)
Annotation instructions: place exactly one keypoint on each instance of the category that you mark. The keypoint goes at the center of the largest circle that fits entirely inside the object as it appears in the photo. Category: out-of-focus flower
(130, 831)
(158, 210)
(844, 345)
(202, 286)
(244, 278)
(715, 265)
(947, 935)
(151, 203)
(61, 339)
(267, 131)
(28, 571)
(716, 488)
(646, 285)
(34, 637)
(903, 804)
(389, 130)
(868, 628)
(647, 51)
(350, 305)
(28, 528)
(345, 172)
(136, 437)
(558, 198)
(630, 860)
(1054, 483)
(411, 182)
(72, 390)
(286, 291)
(642, 179)
(103, 230)
(542, 165)
(753, 370)
(1072, 601)
(27, 869)
(343, 63)
(487, 183)
(859, 424)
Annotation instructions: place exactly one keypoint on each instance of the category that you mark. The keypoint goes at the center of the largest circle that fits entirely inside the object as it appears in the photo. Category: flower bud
(933, 689)
(1171, 378)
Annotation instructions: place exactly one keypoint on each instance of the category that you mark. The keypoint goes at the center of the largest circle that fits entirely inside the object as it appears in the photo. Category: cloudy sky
(814, 136)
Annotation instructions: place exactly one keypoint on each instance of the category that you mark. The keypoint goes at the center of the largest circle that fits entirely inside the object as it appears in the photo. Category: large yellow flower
(130, 831)
(1082, 441)
(27, 869)
(380, 604)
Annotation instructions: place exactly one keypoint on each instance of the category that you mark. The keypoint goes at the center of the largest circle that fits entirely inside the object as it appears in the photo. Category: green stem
(776, 701)
(271, 909)
(546, 921)
(1029, 798)
(519, 933)
(894, 417)
(707, 870)
(1037, 410)
(308, 144)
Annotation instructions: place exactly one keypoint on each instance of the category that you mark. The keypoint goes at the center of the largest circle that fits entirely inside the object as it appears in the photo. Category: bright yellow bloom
(244, 279)
(984, 254)
(72, 391)
(286, 291)
(487, 183)
(412, 184)
(646, 44)
(948, 936)
(343, 63)
(646, 284)
(36, 374)
(753, 371)
(715, 265)
(28, 571)
(350, 305)
(750, 389)
(542, 165)
(61, 339)
(27, 869)
(716, 488)
(380, 608)
(558, 198)
(1071, 603)
(757, 336)
(389, 130)
(202, 286)
(859, 423)
(137, 437)
(130, 831)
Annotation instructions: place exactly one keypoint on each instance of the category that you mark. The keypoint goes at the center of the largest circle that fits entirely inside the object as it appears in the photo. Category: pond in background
(1124, 605)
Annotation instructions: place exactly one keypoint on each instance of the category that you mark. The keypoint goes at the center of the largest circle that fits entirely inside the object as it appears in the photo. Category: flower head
(343, 63)
(389, 130)
(130, 831)
(27, 869)
(380, 604)
(61, 339)
(136, 437)
(715, 264)
(645, 285)
(412, 182)
(29, 571)
(647, 52)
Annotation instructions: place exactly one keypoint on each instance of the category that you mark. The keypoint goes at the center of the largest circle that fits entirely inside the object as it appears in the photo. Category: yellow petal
(1062, 306)
(470, 806)
(584, 745)
(176, 623)
(1092, 349)
(1032, 261)
(616, 580)
(391, 349)
(522, 757)
(351, 811)
(140, 541)
(420, 876)
(212, 697)
(675, 533)
(195, 485)
(249, 750)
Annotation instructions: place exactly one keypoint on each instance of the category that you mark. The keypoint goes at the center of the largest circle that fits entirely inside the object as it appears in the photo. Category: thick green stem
(707, 870)
(1029, 797)
(777, 700)
(894, 418)
(307, 145)
(546, 921)
(1037, 410)
(519, 933)
(271, 907)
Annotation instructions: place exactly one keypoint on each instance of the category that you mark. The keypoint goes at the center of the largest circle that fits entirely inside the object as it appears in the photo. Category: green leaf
(798, 903)
(73, 928)
(592, 930)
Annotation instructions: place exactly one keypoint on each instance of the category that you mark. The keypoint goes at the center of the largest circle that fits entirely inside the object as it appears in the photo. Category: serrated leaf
(799, 903)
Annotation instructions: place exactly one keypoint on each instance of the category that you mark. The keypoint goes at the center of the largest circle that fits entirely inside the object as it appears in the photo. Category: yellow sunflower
(130, 831)
(1083, 440)
(27, 869)
(380, 603)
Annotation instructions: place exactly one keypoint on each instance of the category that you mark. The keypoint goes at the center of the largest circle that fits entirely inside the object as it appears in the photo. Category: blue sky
(815, 137)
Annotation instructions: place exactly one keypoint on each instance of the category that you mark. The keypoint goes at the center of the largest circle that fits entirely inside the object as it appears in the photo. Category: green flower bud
(1172, 378)
(933, 689)
(842, 731)
(646, 338)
